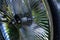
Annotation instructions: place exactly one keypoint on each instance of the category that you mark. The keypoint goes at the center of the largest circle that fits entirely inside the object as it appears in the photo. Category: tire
(41, 16)
(54, 5)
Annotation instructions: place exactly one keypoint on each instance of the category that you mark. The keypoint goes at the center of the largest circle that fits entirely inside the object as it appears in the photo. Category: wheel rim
(41, 15)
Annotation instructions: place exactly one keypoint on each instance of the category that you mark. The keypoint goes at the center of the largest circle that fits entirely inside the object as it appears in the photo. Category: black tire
(54, 6)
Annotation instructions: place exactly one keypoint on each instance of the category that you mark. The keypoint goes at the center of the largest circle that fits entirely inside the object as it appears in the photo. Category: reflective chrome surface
(9, 32)
(29, 20)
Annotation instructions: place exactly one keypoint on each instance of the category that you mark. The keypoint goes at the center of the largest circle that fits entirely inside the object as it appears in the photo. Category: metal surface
(27, 20)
